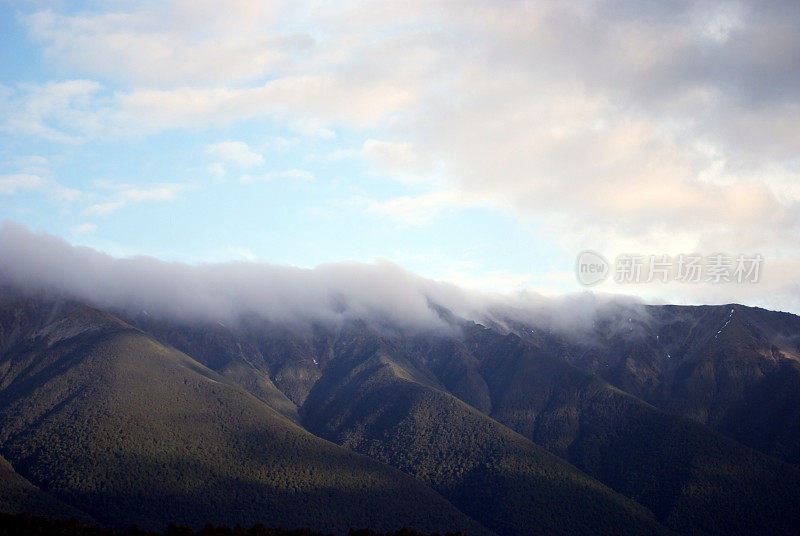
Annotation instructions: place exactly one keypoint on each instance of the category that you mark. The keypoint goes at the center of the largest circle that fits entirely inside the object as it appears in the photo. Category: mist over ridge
(223, 292)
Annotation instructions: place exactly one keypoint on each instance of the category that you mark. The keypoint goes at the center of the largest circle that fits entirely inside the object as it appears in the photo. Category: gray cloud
(222, 292)
(382, 293)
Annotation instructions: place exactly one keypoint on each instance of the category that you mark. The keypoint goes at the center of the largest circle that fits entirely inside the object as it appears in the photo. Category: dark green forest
(118, 420)
(25, 524)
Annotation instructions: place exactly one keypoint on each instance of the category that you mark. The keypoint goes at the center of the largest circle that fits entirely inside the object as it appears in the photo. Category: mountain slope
(693, 479)
(234, 352)
(17, 495)
(660, 461)
(108, 420)
(372, 400)
(105, 417)
(731, 367)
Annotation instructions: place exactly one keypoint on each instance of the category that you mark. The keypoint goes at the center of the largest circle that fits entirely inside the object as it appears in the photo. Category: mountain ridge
(418, 402)
(139, 433)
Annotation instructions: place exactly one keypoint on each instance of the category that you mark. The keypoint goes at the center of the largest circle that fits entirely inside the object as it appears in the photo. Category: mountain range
(646, 420)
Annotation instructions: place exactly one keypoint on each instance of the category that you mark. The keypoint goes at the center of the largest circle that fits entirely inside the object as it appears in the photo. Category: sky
(486, 144)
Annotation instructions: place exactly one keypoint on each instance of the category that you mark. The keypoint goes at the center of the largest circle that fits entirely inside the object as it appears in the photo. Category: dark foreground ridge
(15, 525)
(124, 418)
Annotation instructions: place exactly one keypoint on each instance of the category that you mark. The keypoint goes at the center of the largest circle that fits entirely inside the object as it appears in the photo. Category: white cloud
(236, 152)
(104, 209)
(330, 293)
(217, 169)
(127, 194)
(308, 104)
(83, 228)
(421, 209)
(400, 160)
(11, 184)
(171, 43)
(291, 174)
(162, 192)
(228, 253)
(57, 111)
(33, 164)
(298, 174)
(338, 155)
(15, 183)
(310, 101)
(283, 143)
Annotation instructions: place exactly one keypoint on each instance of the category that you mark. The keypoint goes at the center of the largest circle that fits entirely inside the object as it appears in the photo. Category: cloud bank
(223, 292)
(381, 293)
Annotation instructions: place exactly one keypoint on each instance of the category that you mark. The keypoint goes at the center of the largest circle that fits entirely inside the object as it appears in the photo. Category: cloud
(400, 160)
(236, 152)
(14, 183)
(11, 184)
(422, 209)
(173, 43)
(616, 126)
(605, 122)
(556, 107)
(32, 164)
(218, 170)
(381, 293)
(291, 174)
(411, 211)
(83, 228)
(307, 102)
(162, 192)
(104, 209)
(75, 111)
(211, 292)
(64, 112)
(127, 194)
